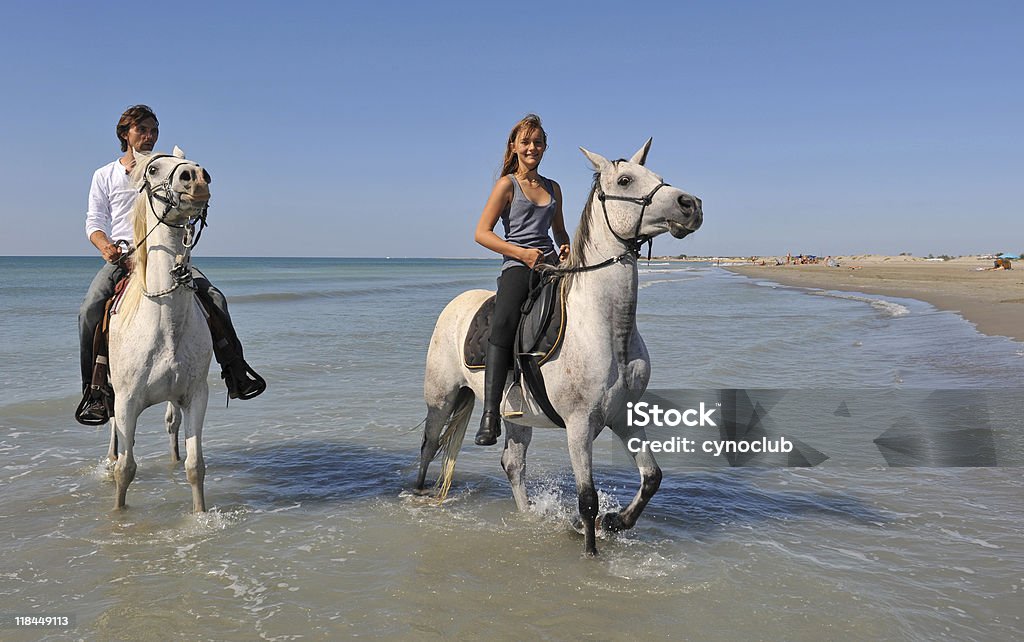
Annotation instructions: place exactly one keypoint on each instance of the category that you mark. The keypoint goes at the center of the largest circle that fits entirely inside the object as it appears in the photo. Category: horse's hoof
(611, 523)
(577, 525)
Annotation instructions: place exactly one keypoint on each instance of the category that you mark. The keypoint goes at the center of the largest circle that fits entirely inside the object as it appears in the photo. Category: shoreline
(992, 300)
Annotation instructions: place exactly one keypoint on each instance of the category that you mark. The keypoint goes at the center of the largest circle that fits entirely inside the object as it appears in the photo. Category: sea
(312, 533)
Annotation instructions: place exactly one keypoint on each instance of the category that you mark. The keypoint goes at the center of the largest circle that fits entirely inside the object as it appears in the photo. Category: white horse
(160, 345)
(602, 363)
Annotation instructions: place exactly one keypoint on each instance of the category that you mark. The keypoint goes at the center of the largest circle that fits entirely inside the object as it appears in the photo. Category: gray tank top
(527, 224)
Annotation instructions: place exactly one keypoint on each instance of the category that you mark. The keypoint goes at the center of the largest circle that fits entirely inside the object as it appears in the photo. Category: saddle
(538, 337)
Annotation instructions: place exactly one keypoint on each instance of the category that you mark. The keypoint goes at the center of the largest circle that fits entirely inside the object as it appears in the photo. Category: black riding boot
(498, 361)
(241, 380)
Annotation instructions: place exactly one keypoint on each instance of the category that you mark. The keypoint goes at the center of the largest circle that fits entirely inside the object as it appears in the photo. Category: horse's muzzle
(691, 215)
(678, 231)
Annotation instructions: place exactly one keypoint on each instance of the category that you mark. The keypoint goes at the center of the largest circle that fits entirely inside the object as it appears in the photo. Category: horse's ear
(138, 153)
(640, 157)
(599, 162)
(178, 153)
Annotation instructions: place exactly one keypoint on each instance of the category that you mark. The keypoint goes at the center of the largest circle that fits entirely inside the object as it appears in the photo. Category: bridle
(164, 194)
(633, 244)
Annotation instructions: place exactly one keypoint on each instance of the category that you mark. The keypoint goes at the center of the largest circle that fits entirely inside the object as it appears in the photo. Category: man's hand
(563, 251)
(111, 252)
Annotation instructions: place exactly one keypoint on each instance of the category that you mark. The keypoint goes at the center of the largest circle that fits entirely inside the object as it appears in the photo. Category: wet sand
(993, 300)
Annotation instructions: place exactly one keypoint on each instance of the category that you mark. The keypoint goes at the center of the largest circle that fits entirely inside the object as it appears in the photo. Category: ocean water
(311, 532)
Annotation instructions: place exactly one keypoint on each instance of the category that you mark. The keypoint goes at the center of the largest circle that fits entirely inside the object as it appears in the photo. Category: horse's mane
(581, 240)
(133, 293)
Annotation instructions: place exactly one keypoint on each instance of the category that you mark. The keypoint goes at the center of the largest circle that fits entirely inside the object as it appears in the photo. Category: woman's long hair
(529, 124)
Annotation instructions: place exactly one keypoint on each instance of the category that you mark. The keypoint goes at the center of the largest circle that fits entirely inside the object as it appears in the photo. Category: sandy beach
(993, 300)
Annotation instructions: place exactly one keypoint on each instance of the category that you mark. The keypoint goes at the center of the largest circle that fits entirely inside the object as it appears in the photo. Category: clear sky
(376, 128)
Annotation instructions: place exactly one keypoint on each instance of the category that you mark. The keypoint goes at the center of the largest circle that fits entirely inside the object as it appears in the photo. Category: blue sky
(376, 128)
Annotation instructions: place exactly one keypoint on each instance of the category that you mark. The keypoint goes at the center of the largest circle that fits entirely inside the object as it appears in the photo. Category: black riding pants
(513, 286)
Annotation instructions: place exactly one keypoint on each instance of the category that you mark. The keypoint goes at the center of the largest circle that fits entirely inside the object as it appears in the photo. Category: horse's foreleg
(172, 419)
(580, 436)
(123, 439)
(195, 466)
(650, 480)
(513, 460)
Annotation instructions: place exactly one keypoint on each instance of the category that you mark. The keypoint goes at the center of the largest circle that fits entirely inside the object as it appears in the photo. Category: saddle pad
(475, 347)
(115, 301)
(547, 321)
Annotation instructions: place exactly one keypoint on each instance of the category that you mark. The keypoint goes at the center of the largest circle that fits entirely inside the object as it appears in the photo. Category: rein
(633, 244)
(181, 272)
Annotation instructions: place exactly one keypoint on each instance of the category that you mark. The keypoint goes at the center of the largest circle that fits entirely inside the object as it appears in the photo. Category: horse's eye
(623, 181)
(153, 169)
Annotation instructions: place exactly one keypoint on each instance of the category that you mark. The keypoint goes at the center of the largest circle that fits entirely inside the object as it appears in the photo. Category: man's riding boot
(241, 380)
(97, 405)
(93, 410)
(497, 362)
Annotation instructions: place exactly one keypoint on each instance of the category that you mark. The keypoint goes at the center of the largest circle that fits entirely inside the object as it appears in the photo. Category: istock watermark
(713, 447)
(846, 427)
(645, 414)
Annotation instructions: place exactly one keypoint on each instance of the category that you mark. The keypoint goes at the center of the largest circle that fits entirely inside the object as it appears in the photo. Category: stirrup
(513, 397)
(94, 409)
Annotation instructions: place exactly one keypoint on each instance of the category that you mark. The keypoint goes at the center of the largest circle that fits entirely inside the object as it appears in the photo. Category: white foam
(888, 308)
(659, 281)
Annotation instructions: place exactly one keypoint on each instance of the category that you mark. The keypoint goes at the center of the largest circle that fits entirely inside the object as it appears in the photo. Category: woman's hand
(563, 251)
(530, 256)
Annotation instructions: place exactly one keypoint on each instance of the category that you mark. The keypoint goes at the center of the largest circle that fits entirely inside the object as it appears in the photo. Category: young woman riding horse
(528, 205)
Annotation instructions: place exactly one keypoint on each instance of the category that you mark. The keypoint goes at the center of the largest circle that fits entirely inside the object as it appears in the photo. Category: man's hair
(131, 117)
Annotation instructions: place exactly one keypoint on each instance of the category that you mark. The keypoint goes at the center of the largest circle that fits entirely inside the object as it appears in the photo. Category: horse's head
(181, 186)
(637, 204)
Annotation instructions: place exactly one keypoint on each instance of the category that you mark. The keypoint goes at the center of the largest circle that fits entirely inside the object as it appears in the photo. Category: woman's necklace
(534, 181)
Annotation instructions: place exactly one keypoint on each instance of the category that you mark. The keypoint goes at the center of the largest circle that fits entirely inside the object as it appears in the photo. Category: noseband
(636, 241)
(171, 199)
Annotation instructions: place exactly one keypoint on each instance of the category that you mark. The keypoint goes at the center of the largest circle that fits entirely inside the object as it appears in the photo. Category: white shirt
(111, 198)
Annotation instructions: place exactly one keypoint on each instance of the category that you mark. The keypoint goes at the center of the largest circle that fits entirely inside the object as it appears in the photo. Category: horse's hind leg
(513, 460)
(650, 480)
(195, 466)
(172, 419)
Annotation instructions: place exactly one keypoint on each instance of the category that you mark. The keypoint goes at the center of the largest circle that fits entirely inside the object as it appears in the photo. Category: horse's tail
(451, 440)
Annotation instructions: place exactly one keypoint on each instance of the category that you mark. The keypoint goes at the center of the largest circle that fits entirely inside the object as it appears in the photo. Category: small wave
(669, 270)
(659, 281)
(887, 307)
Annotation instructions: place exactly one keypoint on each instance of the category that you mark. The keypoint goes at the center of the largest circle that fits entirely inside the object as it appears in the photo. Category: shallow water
(313, 535)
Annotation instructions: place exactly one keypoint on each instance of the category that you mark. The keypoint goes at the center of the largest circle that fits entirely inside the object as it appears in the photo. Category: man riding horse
(108, 225)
